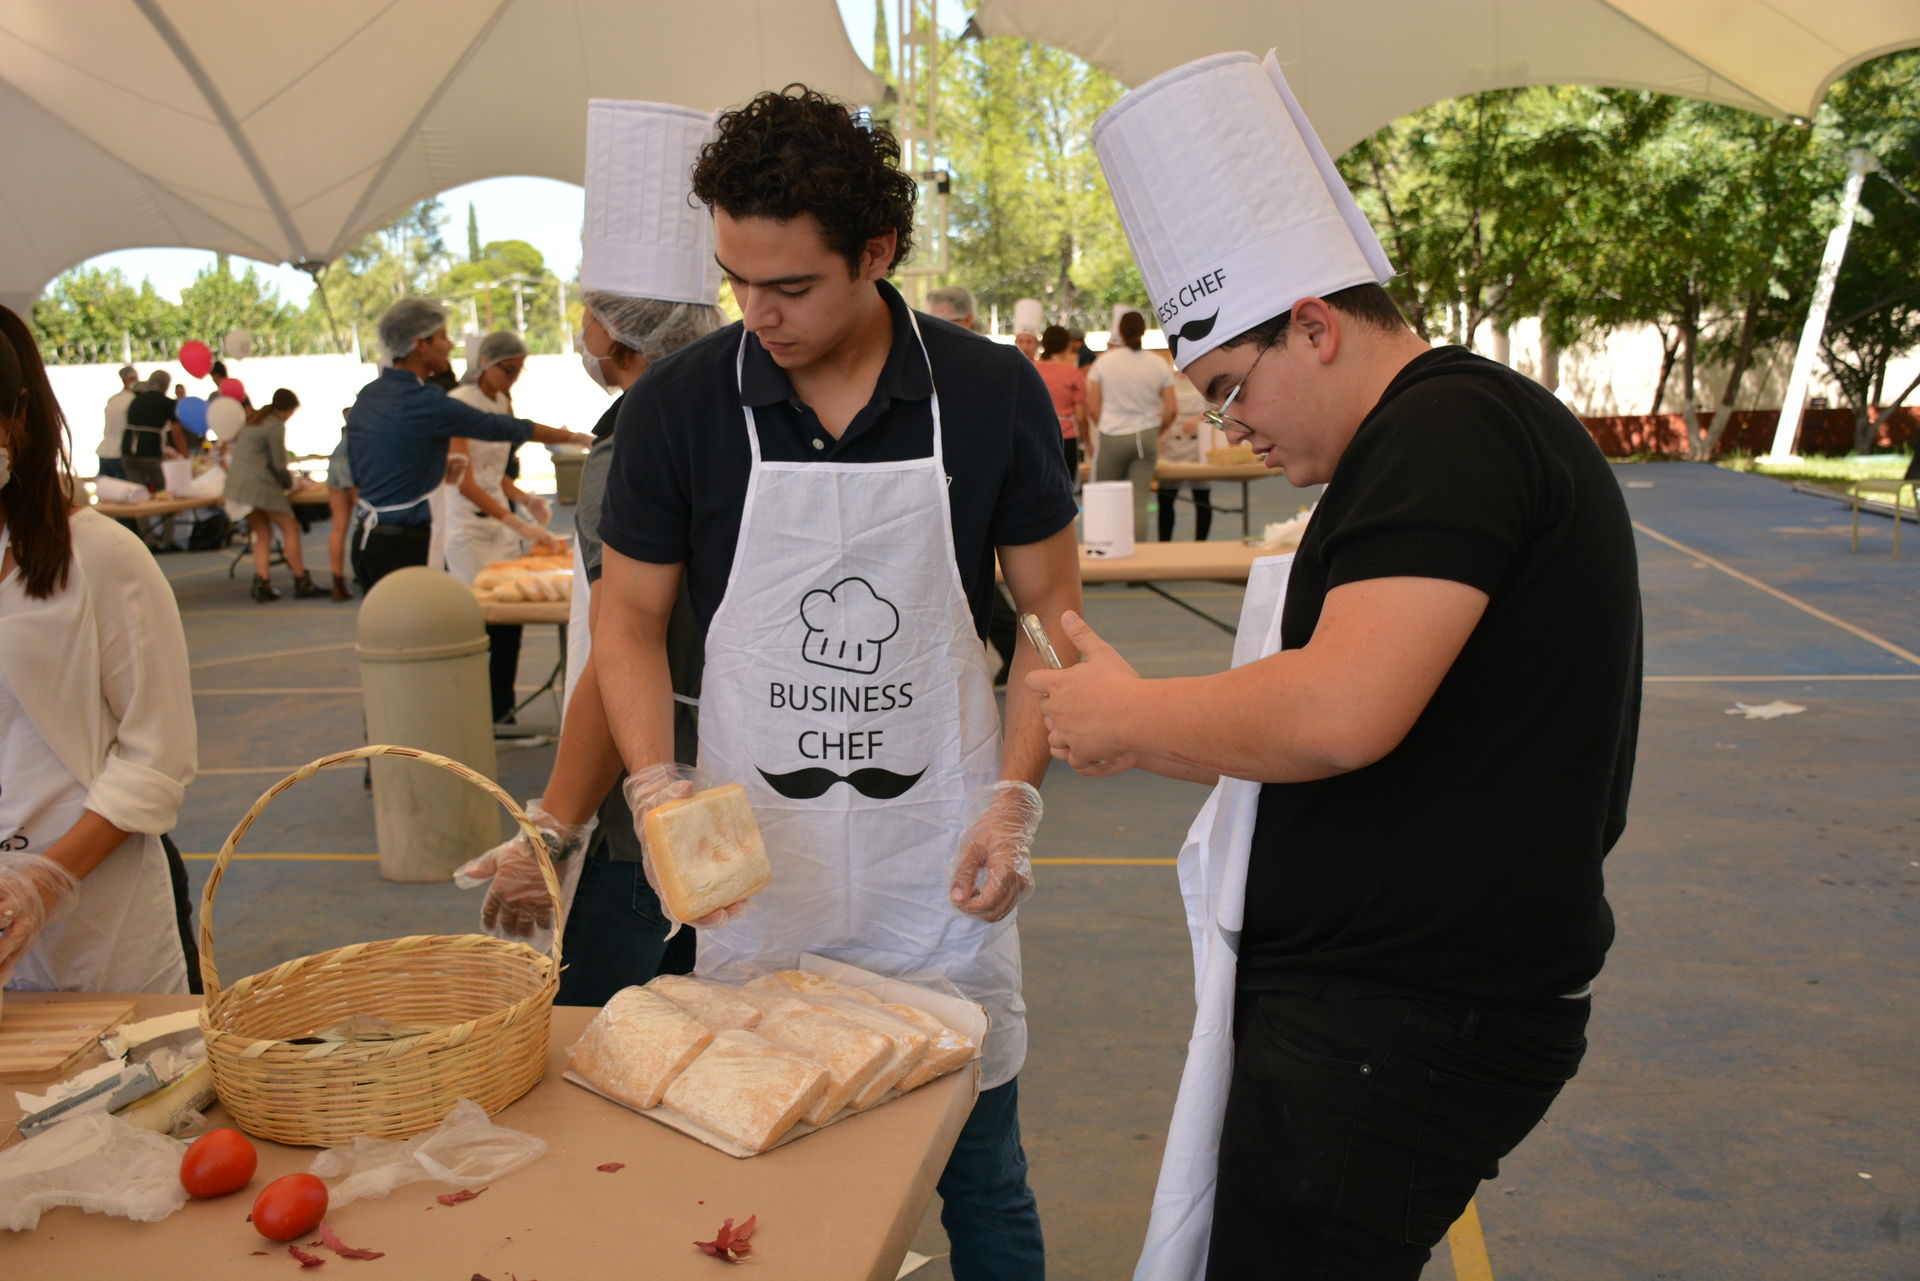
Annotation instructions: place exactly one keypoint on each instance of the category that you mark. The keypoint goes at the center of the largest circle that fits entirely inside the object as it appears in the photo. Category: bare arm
(634, 600)
(1094, 401)
(1044, 579)
(1169, 409)
(560, 436)
(1339, 704)
(86, 844)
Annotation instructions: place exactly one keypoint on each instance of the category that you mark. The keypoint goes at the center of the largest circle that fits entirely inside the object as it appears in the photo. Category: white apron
(847, 690)
(474, 540)
(1213, 884)
(437, 499)
(119, 935)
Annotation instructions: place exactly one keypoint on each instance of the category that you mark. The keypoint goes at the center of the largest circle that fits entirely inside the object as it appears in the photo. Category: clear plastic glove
(96, 1162)
(33, 891)
(518, 906)
(653, 786)
(531, 532)
(993, 873)
(538, 508)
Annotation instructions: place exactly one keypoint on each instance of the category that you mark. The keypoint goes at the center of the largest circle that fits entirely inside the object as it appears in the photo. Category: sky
(544, 213)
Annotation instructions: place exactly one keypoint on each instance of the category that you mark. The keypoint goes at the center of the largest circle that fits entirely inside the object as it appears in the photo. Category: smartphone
(1036, 633)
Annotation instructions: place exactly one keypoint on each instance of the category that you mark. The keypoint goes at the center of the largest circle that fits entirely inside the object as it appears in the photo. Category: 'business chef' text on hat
(1233, 208)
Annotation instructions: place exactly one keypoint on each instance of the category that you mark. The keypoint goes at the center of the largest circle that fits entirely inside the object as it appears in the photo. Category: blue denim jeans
(616, 936)
(992, 1222)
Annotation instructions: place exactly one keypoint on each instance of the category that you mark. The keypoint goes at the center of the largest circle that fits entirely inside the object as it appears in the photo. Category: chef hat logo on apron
(847, 624)
(1232, 206)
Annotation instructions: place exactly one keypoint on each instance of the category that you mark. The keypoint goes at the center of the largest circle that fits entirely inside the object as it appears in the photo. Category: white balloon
(238, 344)
(225, 417)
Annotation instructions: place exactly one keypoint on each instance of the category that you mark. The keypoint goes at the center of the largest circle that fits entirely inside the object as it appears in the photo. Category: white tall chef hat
(645, 236)
(1233, 207)
(1028, 316)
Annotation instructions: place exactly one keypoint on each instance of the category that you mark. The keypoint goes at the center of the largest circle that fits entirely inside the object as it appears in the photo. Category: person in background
(116, 424)
(1028, 343)
(1067, 384)
(1130, 399)
(96, 722)
(1077, 344)
(257, 478)
(152, 430)
(397, 434)
(216, 374)
(341, 498)
(954, 304)
(1181, 444)
(482, 524)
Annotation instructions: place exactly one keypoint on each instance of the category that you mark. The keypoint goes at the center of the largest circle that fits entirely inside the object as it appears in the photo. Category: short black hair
(1369, 304)
(800, 152)
(1053, 340)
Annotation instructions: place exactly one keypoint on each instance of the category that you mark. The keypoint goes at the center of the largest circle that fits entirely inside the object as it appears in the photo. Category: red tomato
(291, 1206)
(218, 1162)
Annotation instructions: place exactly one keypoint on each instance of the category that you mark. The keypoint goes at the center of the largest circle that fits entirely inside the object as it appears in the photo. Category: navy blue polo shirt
(397, 433)
(681, 459)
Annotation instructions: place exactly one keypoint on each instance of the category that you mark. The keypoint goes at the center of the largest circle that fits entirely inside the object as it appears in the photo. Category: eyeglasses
(1217, 418)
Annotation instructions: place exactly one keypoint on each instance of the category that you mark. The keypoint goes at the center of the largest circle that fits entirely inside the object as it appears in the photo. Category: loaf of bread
(949, 1050)
(706, 851)
(909, 1043)
(745, 1088)
(715, 1004)
(851, 1054)
(809, 985)
(637, 1045)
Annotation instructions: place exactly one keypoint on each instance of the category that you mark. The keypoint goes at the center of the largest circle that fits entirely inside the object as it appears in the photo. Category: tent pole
(1859, 163)
(318, 270)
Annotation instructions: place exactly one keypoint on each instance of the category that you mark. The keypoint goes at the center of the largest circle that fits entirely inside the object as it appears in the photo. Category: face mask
(596, 366)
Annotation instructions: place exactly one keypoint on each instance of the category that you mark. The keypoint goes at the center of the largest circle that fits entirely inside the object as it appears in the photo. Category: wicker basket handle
(210, 976)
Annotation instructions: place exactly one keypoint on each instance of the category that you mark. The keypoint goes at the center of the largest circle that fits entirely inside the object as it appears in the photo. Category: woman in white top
(1181, 444)
(482, 524)
(1130, 399)
(96, 721)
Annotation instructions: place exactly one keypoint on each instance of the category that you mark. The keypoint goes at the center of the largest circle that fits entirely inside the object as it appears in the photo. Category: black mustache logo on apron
(1192, 331)
(872, 782)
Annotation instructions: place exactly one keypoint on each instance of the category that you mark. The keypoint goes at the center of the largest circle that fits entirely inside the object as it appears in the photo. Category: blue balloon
(192, 413)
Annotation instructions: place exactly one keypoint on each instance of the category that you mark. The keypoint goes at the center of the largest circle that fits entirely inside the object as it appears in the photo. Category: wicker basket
(484, 1002)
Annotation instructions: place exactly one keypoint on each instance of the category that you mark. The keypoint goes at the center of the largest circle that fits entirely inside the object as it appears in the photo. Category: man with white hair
(116, 424)
(397, 434)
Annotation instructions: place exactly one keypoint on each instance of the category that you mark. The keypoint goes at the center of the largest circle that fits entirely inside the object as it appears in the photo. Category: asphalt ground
(1748, 1107)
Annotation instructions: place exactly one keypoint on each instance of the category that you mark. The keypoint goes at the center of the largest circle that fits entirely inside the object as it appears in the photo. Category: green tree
(473, 233)
(405, 256)
(90, 315)
(1031, 213)
(509, 287)
(218, 302)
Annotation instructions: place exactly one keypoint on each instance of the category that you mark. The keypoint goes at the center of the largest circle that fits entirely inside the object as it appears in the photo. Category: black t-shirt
(1467, 861)
(148, 414)
(681, 459)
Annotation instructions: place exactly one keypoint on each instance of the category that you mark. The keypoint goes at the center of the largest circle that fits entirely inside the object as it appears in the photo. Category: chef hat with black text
(644, 237)
(1232, 206)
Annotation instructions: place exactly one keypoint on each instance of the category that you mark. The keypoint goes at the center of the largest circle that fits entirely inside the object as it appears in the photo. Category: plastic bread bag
(467, 1150)
(96, 1162)
(648, 789)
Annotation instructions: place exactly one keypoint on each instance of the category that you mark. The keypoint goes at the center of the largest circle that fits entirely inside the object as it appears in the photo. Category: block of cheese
(745, 1088)
(851, 1054)
(706, 851)
(715, 1004)
(948, 1052)
(810, 986)
(910, 1045)
(637, 1045)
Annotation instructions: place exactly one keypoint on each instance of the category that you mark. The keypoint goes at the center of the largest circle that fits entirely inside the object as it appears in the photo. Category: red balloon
(232, 387)
(196, 358)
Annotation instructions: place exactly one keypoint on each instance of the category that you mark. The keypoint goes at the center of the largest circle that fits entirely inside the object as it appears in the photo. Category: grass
(1835, 472)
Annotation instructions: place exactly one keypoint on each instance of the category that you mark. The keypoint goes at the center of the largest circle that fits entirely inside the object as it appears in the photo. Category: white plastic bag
(466, 1150)
(97, 1162)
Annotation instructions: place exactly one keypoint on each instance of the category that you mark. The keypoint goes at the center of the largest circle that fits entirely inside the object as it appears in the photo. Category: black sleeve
(1036, 494)
(648, 511)
(1448, 487)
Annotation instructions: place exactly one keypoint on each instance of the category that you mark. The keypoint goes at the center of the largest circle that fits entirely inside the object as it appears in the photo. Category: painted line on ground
(1469, 1247)
(1749, 580)
(286, 653)
(1735, 680)
(292, 858)
(300, 689)
(305, 551)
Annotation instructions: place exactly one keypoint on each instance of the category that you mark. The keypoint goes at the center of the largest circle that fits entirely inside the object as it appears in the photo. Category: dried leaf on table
(331, 1239)
(306, 1260)
(730, 1243)
(611, 1167)
(465, 1194)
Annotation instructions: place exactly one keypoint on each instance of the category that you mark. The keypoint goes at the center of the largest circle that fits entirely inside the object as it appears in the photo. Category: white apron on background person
(847, 690)
(120, 933)
(437, 501)
(1213, 885)
(473, 537)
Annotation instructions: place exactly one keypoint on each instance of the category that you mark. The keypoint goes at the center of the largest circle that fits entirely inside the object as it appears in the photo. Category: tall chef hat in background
(1028, 318)
(644, 235)
(1233, 207)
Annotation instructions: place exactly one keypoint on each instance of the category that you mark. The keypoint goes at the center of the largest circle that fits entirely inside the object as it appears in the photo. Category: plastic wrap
(467, 1150)
(745, 1088)
(98, 1163)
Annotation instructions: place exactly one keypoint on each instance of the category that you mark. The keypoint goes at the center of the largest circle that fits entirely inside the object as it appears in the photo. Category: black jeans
(503, 665)
(387, 548)
(1360, 1120)
(616, 936)
(1202, 509)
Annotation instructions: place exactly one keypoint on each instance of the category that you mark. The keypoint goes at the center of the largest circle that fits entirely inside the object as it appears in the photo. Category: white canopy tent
(286, 131)
(1360, 65)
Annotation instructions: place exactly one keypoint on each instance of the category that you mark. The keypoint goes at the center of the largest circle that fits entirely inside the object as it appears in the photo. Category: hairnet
(653, 328)
(407, 322)
(498, 346)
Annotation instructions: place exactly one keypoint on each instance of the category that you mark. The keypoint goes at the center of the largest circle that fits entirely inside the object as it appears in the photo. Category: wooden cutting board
(45, 1042)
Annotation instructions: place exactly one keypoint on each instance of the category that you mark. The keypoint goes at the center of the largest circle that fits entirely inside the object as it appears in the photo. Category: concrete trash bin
(423, 683)
(567, 466)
